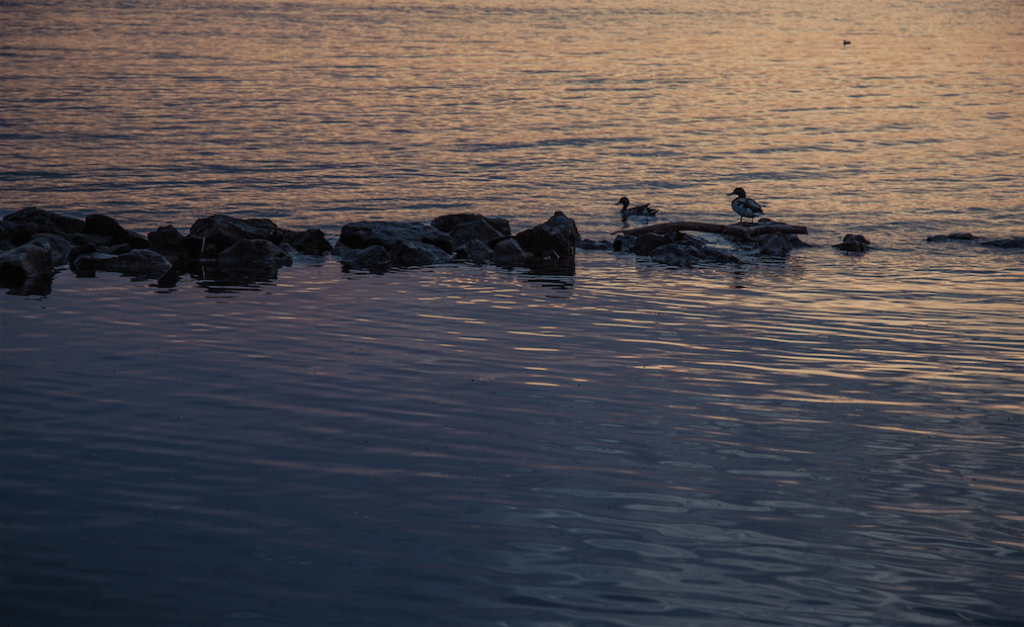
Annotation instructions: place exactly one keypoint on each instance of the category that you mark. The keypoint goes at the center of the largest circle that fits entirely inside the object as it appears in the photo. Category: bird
(636, 210)
(744, 206)
(846, 42)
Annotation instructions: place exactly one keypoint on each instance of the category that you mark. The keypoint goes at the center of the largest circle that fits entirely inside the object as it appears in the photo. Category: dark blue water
(821, 440)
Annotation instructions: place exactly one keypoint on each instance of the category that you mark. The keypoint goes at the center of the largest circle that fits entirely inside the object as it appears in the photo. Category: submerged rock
(1009, 242)
(254, 252)
(774, 245)
(950, 237)
(686, 250)
(854, 244)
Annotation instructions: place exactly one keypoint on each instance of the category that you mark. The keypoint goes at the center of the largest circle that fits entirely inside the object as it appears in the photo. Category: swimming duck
(636, 210)
(744, 206)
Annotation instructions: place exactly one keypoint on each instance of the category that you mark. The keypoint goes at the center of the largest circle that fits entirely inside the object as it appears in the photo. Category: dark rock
(589, 244)
(78, 250)
(170, 243)
(20, 226)
(690, 251)
(254, 252)
(22, 264)
(623, 243)
(950, 237)
(448, 222)
(374, 258)
(558, 235)
(418, 254)
(105, 226)
(463, 234)
(478, 252)
(647, 242)
(391, 234)
(211, 236)
(508, 252)
(1010, 242)
(774, 245)
(854, 244)
(308, 242)
(58, 246)
(137, 263)
(116, 249)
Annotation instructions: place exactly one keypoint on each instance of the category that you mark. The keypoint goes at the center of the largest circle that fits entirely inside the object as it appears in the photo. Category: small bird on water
(636, 210)
(744, 206)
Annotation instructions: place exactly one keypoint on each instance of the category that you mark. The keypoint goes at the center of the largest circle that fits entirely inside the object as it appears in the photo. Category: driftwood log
(744, 232)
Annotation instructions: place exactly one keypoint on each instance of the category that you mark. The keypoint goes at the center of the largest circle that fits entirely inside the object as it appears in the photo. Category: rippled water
(820, 440)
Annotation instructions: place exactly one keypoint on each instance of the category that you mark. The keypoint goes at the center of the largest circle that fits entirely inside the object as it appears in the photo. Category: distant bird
(636, 210)
(846, 43)
(744, 206)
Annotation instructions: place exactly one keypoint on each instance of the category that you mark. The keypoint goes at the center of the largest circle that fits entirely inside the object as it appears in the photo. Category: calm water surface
(820, 440)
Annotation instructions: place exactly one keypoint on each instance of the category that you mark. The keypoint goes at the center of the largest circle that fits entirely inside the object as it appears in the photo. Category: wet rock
(558, 235)
(1009, 242)
(373, 258)
(211, 236)
(950, 237)
(623, 243)
(308, 242)
(24, 263)
(448, 222)
(58, 246)
(648, 242)
(20, 226)
(170, 243)
(478, 252)
(854, 244)
(687, 251)
(141, 263)
(774, 245)
(508, 252)
(254, 252)
(108, 228)
(589, 244)
(464, 234)
(391, 234)
(410, 253)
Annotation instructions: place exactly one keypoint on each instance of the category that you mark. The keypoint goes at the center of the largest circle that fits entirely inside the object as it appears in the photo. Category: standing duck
(744, 206)
(636, 210)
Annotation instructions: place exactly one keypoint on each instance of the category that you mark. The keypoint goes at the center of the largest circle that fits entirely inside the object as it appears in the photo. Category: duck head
(624, 202)
(739, 192)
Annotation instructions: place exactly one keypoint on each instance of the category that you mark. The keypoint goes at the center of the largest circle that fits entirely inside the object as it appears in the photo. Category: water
(821, 440)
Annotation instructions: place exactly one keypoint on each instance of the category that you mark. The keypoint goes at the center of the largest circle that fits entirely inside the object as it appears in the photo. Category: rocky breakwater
(35, 243)
(377, 246)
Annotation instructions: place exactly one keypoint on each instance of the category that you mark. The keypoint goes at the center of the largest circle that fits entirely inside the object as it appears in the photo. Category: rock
(508, 252)
(623, 243)
(410, 253)
(137, 263)
(647, 242)
(589, 244)
(24, 263)
(478, 252)
(689, 252)
(1010, 242)
(20, 226)
(774, 245)
(308, 242)
(374, 258)
(391, 234)
(853, 244)
(482, 230)
(950, 237)
(448, 222)
(106, 227)
(558, 235)
(212, 235)
(254, 252)
(170, 243)
(58, 246)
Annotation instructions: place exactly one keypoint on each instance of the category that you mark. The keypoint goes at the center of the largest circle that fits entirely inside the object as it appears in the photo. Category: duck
(636, 210)
(746, 207)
